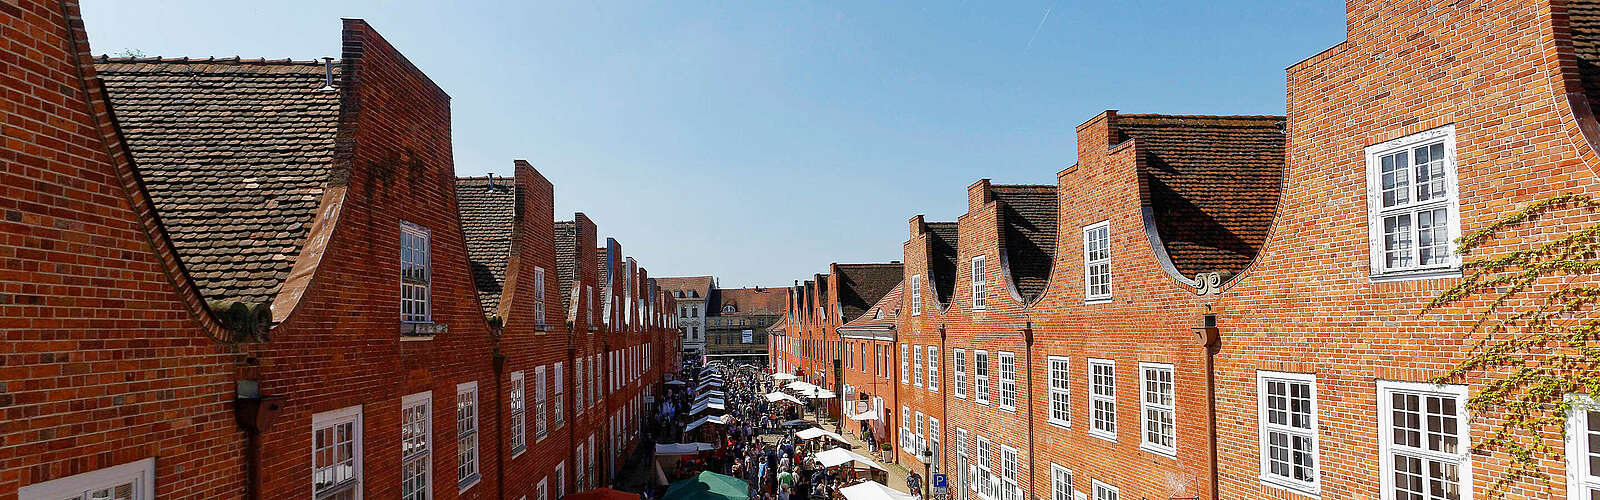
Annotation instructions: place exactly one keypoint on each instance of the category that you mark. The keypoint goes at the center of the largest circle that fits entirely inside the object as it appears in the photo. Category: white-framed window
(466, 434)
(1413, 208)
(979, 299)
(1103, 399)
(416, 274)
(1103, 491)
(905, 364)
(1060, 401)
(1060, 483)
(958, 359)
(1156, 403)
(980, 377)
(905, 430)
(985, 469)
(963, 464)
(933, 446)
(538, 296)
(1008, 381)
(1097, 261)
(541, 426)
(1288, 413)
(336, 454)
(577, 386)
(1423, 440)
(933, 368)
(134, 480)
(921, 436)
(416, 446)
(561, 479)
(580, 477)
(916, 295)
(544, 489)
(916, 365)
(558, 402)
(1583, 448)
(588, 299)
(519, 421)
(1009, 490)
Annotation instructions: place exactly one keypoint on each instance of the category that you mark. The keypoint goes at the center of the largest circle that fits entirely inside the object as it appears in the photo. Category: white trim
(424, 399)
(464, 483)
(1375, 210)
(980, 279)
(1056, 492)
(426, 235)
(1145, 406)
(980, 397)
(1579, 482)
(1098, 486)
(932, 359)
(1112, 398)
(1264, 428)
(916, 295)
(347, 415)
(1088, 295)
(1051, 391)
(1001, 358)
(958, 361)
(140, 473)
(1386, 432)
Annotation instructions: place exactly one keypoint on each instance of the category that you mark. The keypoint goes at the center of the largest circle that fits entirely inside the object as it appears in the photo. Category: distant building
(691, 293)
(737, 322)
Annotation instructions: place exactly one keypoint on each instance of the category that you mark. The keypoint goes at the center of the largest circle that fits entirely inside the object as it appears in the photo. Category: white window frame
(1008, 381)
(1146, 407)
(933, 445)
(916, 365)
(467, 471)
(1387, 450)
(985, 468)
(933, 368)
(538, 296)
(518, 400)
(558, 398)
(907, 443)
(980, 297)
(540, 393)
(1060, 482)
(1099, 399)
(980, 387)
(916, 295)
(1451, 265)
(1058, 370)
(1103, 491)
(561, 480)
(1580, 483)
(1097, 239)
(543, 490)
(958, 358)
(921, 436)
(423, 459)
(416, 291)
(1009, 487)
(349, 415)
(1267, 428)
(905, 364)
(139, 474)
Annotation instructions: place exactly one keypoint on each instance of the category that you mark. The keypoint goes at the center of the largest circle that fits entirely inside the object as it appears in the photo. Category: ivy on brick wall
(1538, 336)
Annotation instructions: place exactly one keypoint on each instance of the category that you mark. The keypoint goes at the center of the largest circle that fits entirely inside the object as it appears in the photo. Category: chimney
(327, 81)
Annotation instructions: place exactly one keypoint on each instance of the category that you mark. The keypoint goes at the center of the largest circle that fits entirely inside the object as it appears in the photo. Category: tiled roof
(861, 285)
(235, 155)
(566, 259)
(943, 238)
(1584, 16)
(488, 214)
(1213, 183)
(881, 315)
(747, 301)
(779, 325)
(700, 286)
(1028, 216)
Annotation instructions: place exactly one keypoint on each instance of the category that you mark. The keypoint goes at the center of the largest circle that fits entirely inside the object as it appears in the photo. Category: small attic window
(727, 308)
(877, 313)
(677, 293)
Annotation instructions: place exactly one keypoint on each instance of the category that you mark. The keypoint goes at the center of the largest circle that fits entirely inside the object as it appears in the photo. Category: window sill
(471, 481)
(1289, 485)
(1103, 436)
(518, 451)
(1060, 424)
(1098, 300)
(423, 329)
(1416, 275)
(1165, 452)
(541, 328)
(415, 338)
(1007, 409)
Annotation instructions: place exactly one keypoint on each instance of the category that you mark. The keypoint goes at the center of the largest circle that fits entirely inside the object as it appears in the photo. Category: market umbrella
(675, 382)
(839, 456)
(602, 494)
(710, 419)
(681, 448)
(784, 376)
(872, 490)
(816, 432)
(708, 486)
(778, 396)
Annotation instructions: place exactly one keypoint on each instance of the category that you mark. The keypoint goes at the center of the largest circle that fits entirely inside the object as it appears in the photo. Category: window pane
(1397, 241)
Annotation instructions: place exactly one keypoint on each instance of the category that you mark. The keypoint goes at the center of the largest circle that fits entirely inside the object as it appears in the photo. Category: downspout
(944, 409)
(1027, 338)
(499, 428)
(1211, 341)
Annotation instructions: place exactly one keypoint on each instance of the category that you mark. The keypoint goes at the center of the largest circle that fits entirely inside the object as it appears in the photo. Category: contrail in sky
(1036, 29)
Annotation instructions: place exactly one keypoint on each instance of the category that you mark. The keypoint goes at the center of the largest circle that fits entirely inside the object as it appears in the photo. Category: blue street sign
(939, 481)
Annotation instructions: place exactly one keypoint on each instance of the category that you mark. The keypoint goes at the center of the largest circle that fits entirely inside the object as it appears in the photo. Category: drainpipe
(1027, 338)
(944, 409)
(1211, 342)
(254, 412)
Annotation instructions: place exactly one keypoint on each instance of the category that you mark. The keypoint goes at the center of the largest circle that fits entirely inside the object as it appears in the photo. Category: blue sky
(759, 141)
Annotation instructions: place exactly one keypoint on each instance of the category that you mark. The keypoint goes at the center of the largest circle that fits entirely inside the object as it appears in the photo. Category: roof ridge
(106, 58)
(1230, 117)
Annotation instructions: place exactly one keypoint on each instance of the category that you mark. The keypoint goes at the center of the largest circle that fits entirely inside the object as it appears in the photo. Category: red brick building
(262, 279)
(869, 371)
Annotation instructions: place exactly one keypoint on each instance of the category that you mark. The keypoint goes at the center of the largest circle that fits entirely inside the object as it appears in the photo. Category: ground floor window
(130, 481)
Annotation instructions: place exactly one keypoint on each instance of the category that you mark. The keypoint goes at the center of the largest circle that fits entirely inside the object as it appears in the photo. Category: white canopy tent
(866, 415)
(834, 457)
(872, 490)
(801, 386)
(822, 394)
(675, 382)
(817, 432)
(707, 405)
(709, 419)
(774, 397)
(784, 376)
(681, 448)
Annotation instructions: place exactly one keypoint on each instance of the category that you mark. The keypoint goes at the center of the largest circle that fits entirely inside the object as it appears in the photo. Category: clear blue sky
(759, 141)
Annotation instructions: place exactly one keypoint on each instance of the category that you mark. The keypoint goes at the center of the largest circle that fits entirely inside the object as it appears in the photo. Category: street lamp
(927, 473)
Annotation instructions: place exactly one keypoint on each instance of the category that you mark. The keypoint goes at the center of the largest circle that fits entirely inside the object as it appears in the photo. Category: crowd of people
(755, 440)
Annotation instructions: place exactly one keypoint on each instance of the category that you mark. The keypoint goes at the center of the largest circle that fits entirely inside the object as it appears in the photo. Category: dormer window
(415, 274)
(877, 313)
(728, 309)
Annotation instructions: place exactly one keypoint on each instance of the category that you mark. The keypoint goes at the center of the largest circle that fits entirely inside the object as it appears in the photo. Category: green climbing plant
(1537, 330)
